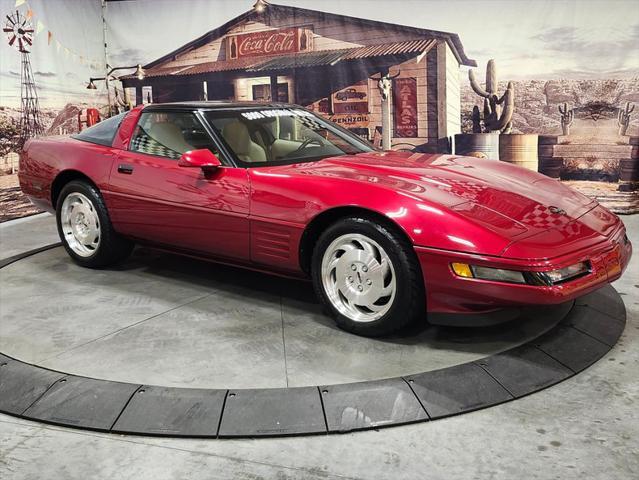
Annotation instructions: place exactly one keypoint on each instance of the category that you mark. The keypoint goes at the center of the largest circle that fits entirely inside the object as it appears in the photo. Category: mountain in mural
(66, 121)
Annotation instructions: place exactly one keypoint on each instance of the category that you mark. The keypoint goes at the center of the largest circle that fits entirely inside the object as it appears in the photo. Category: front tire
(368, 277)
(85, 229)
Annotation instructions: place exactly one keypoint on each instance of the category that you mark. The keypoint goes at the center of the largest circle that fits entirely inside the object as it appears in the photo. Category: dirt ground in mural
(13, 203)
(608, 195)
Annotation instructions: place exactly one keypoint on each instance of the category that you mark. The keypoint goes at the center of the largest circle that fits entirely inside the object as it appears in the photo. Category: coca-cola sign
(270, 42)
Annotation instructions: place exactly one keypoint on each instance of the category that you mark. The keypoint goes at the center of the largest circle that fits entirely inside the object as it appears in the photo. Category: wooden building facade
(327, 62)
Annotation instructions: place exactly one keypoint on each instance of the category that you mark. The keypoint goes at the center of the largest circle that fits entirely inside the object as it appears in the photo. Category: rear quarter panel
(44, 159)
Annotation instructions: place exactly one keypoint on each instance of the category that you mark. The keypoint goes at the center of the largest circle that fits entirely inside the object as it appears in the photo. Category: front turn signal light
(462, 270)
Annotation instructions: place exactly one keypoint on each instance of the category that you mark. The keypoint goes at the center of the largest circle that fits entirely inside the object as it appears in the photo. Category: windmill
(20, 34)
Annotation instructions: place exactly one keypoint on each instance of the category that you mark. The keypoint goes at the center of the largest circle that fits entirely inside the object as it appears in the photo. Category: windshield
(278, 136)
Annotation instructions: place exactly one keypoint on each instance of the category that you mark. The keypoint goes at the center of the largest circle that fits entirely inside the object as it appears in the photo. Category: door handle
(126, 169)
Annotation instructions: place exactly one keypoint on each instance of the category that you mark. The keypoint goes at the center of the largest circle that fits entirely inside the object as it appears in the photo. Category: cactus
(567, 117)
(476, 120)
(498, 111)
(623, 118)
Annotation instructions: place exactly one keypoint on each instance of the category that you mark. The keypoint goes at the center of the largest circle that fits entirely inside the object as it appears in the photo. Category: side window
(102, 132)
(169, 134)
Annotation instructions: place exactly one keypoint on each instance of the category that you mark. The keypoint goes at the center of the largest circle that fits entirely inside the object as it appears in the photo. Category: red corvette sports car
(385, 236)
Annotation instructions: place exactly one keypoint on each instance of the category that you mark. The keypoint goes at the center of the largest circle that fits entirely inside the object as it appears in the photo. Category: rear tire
(368, 277)
(85, 229)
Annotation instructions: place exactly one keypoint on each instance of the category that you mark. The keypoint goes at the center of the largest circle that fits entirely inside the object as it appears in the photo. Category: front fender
(297, 201)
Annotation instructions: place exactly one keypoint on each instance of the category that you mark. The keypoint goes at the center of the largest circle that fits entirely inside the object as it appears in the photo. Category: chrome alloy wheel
(358, 277)
(80, 224)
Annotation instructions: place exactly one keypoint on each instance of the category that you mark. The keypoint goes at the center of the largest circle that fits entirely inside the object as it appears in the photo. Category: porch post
(274, 97)
(138, 95)
(385, 89)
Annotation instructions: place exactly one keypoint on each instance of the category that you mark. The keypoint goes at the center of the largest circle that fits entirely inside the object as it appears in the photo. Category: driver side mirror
(203, 158)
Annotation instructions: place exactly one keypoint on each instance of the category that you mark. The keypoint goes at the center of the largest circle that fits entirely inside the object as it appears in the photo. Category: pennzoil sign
(269, 42)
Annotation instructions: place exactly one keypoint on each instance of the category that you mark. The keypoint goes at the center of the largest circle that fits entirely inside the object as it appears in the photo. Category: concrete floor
(166, 320)
(25, 234)
(585, 427)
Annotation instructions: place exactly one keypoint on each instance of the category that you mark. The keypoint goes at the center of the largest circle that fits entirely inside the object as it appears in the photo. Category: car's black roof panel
(216, 105)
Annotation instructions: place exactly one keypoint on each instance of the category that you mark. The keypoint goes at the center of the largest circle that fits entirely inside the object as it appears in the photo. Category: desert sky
(530, 39)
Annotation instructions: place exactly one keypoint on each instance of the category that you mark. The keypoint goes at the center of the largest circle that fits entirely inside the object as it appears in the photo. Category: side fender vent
(271, 242)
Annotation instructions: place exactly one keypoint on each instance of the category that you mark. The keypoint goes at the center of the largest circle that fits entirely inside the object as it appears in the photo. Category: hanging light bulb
(139, 72)
(91, 85)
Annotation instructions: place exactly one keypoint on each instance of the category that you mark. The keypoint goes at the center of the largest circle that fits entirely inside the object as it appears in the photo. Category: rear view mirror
(203, 158)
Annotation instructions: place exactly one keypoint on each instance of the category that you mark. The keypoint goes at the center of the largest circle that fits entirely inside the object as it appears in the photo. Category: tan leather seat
(169, 135)
(237, 136)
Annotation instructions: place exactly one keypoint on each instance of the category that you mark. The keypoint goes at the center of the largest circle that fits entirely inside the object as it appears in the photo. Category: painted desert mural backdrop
(561, 82)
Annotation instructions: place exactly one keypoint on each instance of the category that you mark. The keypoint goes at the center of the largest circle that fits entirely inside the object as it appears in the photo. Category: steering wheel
(306, 143)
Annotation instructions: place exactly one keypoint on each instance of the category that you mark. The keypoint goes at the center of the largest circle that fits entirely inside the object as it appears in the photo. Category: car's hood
(478, 188)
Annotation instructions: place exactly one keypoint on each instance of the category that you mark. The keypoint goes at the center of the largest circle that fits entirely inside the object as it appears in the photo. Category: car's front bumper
(448, 293)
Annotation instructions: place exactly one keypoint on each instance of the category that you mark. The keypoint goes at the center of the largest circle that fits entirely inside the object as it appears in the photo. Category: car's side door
(154, 199)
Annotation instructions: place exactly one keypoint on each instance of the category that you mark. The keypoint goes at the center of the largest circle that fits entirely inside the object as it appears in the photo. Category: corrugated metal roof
(296, 60)
(158, 72)
(224, 65)
(331, 57)
(301, 60)
(208, 67)
(397, 48)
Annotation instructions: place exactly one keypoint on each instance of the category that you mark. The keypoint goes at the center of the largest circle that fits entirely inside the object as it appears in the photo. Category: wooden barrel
(629, 168)
(548, 140)
(551, 166)
(546, 145)
(519, 149)
(486, 143)
(545, 150)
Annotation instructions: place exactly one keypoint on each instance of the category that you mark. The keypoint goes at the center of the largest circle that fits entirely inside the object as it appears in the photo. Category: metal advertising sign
(269, 42)
(350, 107)
(351, 121)
(351, 100)
(405, 107)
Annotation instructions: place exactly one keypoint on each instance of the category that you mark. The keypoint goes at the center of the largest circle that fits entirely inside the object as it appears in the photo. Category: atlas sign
(270, 42)
(405, 102)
